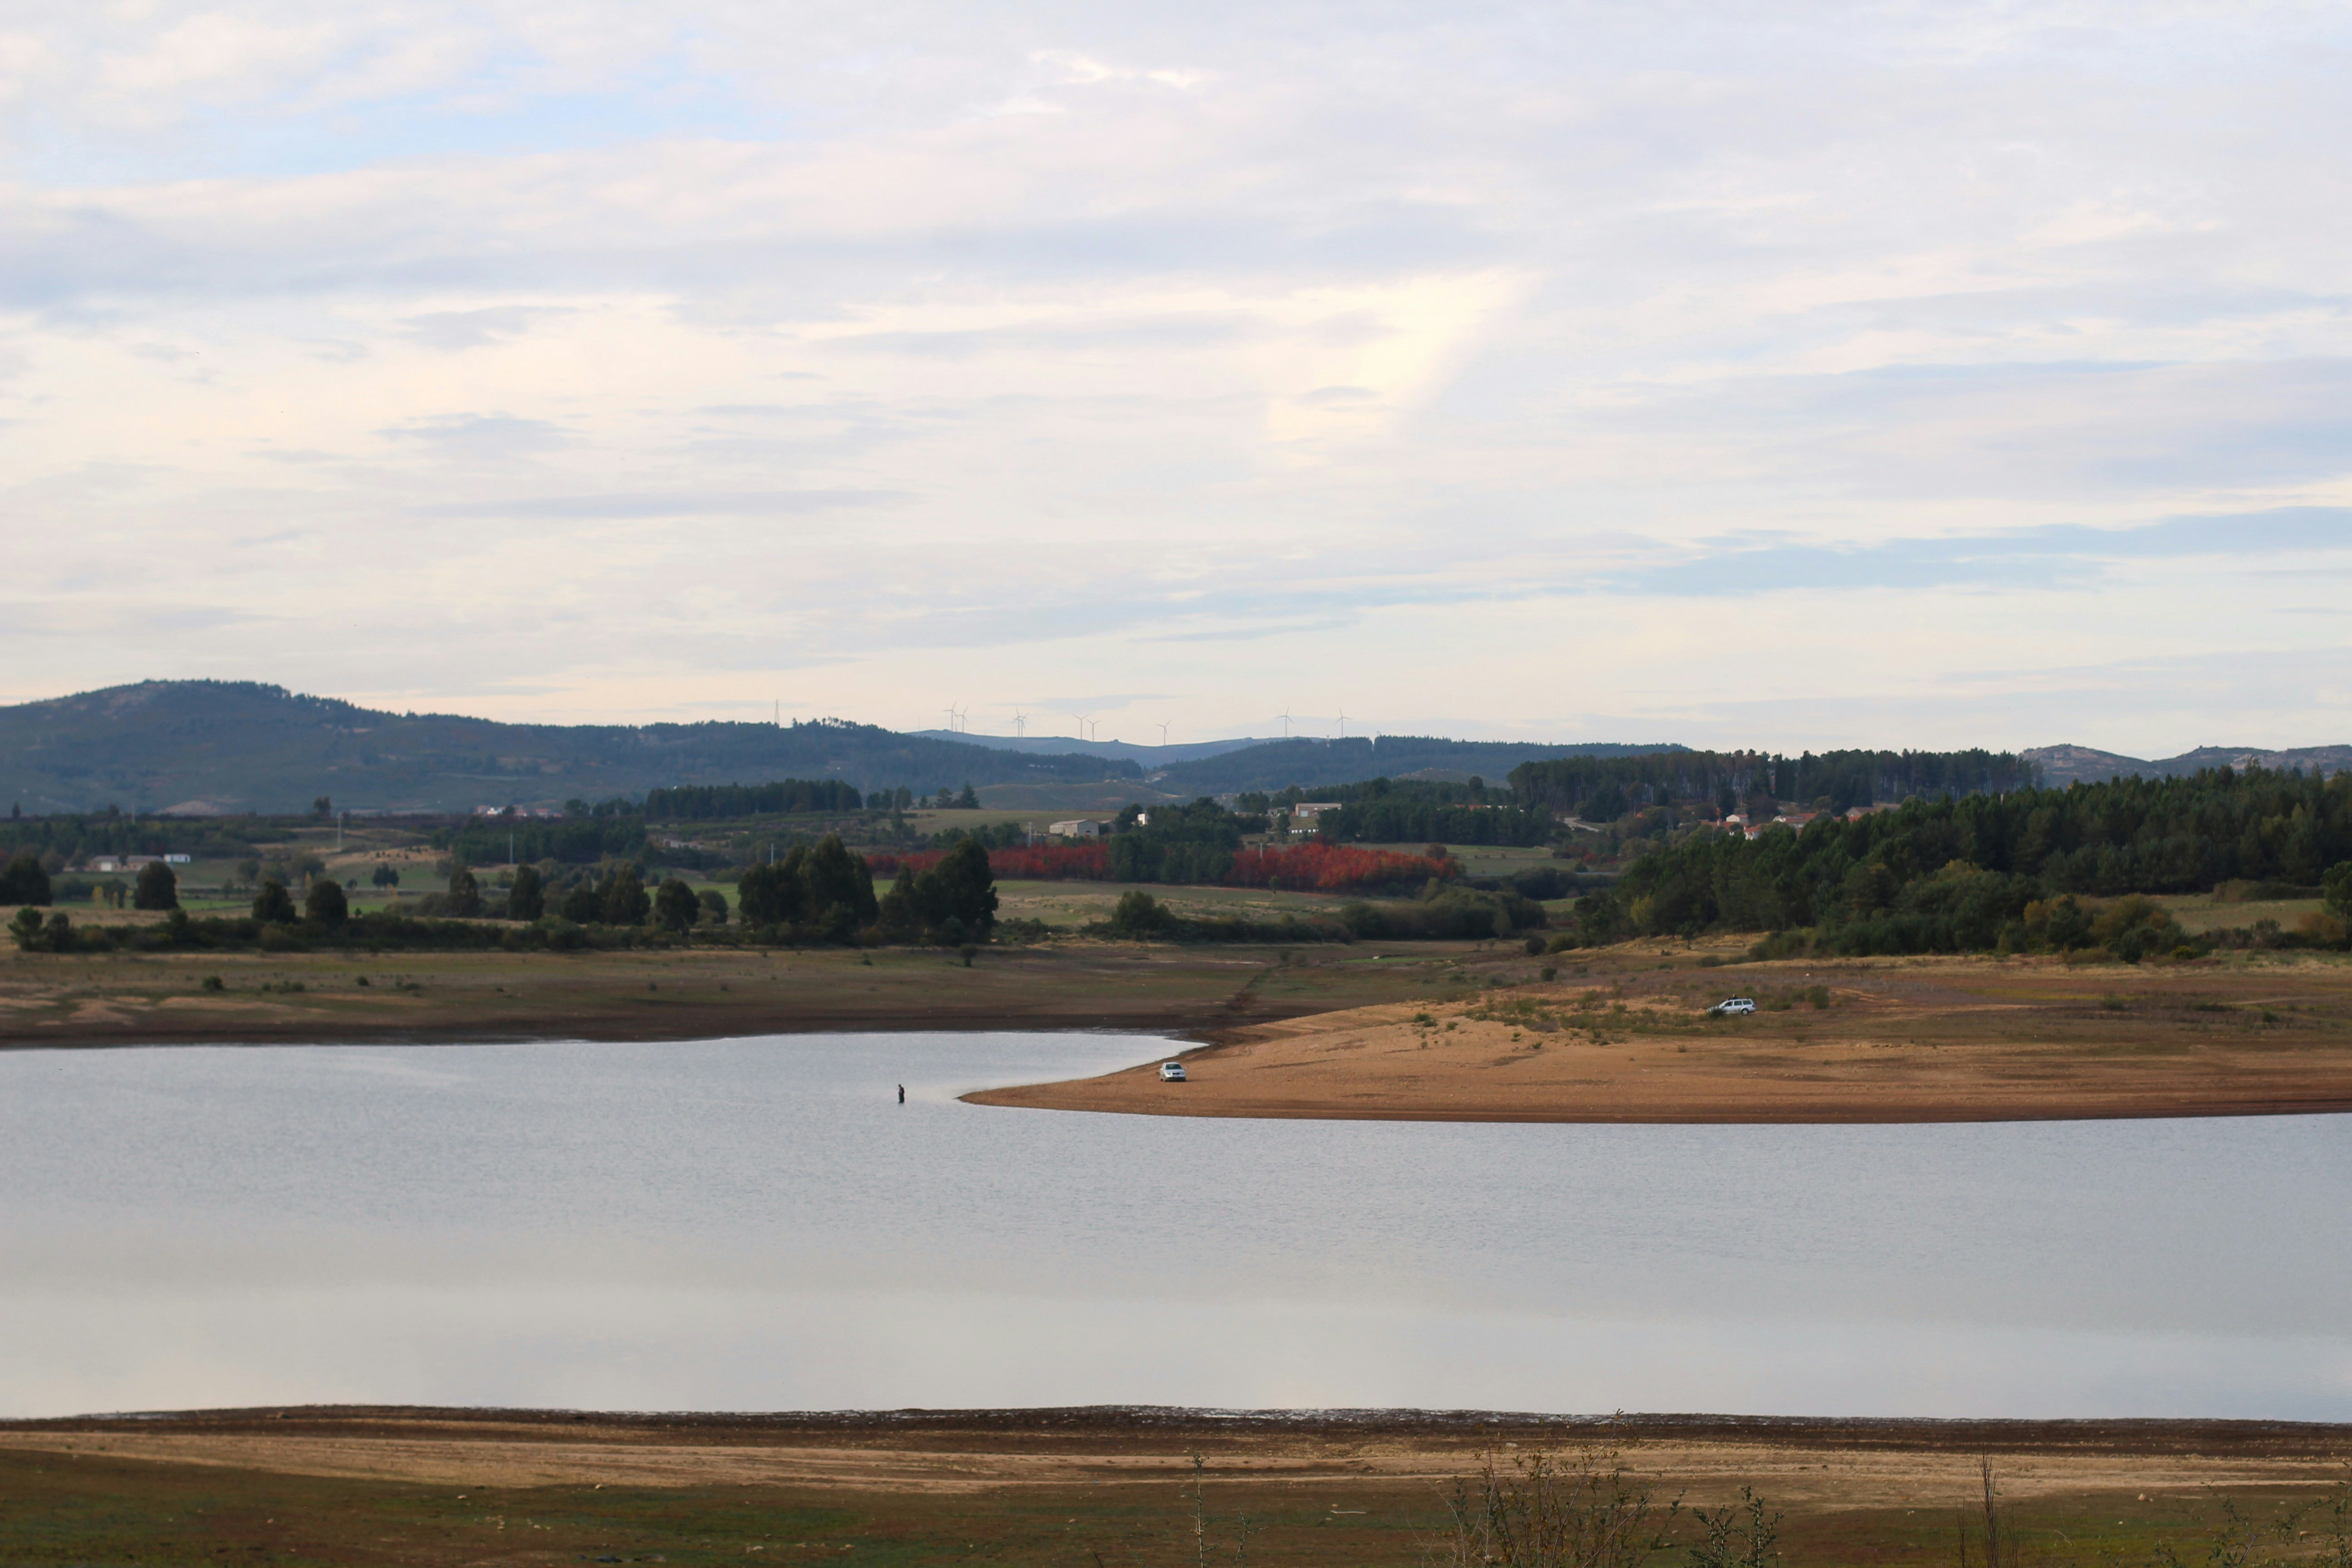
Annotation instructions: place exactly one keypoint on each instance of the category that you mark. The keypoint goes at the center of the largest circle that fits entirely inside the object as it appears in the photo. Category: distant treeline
(574, 840)
(1314, 764)
(1381, 811)
(712, 803)
(76, 839)
(1986, 871)
(1602, 789)
(374, 932)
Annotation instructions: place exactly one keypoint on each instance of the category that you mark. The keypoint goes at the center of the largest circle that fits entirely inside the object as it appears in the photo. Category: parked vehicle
(1171, 1072)
(1732, 1007)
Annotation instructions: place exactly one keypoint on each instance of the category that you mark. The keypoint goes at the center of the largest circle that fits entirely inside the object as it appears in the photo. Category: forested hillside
(1983, 871)
(1600, 789)
(1274, 765)
(207, 746)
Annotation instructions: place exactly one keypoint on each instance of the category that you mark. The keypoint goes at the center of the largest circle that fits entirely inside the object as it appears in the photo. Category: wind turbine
(952, 717)
(1019, 723)
(1343, 722)
(1082, 724)
(1285, 723)
(1163, 731)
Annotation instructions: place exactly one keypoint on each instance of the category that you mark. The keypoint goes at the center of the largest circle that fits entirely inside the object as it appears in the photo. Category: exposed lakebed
(757, 1224)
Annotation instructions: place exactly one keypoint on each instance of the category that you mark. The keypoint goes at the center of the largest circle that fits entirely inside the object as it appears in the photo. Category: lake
(757, 1224)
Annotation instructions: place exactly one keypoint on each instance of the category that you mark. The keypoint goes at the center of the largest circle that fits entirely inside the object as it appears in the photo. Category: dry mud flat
(1817, 1463)
(1077, 1486)
(1891, 1041)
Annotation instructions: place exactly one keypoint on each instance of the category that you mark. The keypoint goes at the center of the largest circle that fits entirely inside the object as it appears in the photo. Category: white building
(1076, 827)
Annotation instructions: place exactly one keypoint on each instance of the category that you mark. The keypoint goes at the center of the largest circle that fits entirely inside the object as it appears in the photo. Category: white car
(1734, 1007)
(1171, 1072)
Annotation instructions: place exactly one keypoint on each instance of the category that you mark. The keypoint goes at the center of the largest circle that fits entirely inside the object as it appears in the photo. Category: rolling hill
(2062, 765)
(1273, 765)
(204, 747)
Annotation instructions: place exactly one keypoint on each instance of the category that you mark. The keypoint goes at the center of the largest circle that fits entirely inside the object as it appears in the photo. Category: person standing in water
(902, 1094)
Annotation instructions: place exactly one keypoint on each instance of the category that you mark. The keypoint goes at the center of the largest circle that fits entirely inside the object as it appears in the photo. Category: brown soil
(1909, 1040)
(1812, 1464)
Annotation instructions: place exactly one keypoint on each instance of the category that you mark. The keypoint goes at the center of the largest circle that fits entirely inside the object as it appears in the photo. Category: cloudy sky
(1789, 376)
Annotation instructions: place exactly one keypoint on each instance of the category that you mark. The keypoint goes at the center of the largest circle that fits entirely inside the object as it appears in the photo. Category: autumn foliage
(1319, 867)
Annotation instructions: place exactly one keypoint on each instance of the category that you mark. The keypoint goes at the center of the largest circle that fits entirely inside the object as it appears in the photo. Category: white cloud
(1430, 347)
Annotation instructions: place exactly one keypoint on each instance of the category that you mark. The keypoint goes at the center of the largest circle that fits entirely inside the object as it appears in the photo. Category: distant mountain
(1273, 765)
(2062, 765)
(1147, 757)
(204, 747)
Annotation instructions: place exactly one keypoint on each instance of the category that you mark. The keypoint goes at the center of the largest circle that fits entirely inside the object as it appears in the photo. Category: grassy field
(1089, 1489)
(689, 993)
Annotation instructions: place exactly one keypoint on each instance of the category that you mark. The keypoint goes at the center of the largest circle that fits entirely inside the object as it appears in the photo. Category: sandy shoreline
(1908, 1041)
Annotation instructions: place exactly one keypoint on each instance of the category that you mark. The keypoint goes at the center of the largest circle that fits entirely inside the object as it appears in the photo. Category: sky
(1792, 376)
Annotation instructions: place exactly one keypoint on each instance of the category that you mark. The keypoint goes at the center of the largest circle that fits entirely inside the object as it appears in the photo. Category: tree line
(781, 798)
(1602, 789)
(1985, 872)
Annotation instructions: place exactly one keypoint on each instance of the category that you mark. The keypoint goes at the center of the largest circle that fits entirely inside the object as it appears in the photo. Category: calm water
(757, 1224)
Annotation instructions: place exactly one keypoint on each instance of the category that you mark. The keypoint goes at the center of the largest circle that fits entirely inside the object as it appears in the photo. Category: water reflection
(759, 1225)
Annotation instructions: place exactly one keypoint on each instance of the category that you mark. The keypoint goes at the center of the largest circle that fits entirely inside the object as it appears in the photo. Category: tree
(383, 877)
(761, 895)
(675, 905)
(465, 894)
(714, 905)
(527, 899)
(273, 905)
(157, 889)
(625, 901)
(2337, 888)
(970, 799)
(840, 888)
(325, 903)
(585, 904)
(322, 807)
(27, 929)
(24, 880)
(1138, 914)
(965, 891)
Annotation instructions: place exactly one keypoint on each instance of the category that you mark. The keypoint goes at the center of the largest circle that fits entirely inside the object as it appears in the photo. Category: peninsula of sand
(1873, 1040)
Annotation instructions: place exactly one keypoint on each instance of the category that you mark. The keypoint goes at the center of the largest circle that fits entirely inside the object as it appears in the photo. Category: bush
(1137, 914)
